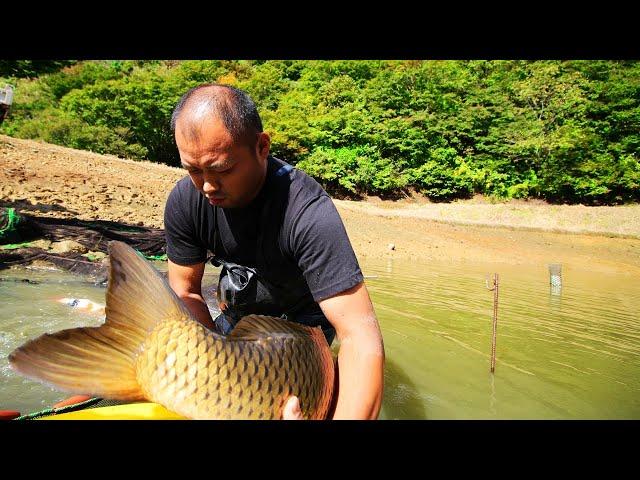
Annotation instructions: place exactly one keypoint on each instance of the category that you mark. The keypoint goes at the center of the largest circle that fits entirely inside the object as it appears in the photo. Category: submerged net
(20, 243)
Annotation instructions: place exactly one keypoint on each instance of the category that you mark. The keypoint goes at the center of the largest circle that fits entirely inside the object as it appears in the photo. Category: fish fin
(96, 361)
(100, 361)
(253, 327)
(136, 293)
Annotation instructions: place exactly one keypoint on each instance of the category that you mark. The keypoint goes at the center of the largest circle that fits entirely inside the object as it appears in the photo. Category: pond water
(572, 353)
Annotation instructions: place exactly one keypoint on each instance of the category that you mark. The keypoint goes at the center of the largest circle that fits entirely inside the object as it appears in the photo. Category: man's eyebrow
(215, 165)
(226, 163)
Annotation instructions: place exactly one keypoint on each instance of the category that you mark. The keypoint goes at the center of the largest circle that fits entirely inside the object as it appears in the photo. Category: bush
(444, 176)
(352, 171)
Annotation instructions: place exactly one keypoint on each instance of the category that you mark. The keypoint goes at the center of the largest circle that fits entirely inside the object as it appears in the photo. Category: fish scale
(225, 396)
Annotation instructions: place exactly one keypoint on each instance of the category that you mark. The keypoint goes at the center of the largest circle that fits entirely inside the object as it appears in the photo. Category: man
(278, 236)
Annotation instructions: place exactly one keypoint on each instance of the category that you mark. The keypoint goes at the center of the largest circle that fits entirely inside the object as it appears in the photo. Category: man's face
(229, 174)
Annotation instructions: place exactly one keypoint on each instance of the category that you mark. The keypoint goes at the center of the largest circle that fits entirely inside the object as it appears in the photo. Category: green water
(29, 310)
(570, 356)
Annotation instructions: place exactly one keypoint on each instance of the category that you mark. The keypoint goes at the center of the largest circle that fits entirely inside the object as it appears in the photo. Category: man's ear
(263, 145)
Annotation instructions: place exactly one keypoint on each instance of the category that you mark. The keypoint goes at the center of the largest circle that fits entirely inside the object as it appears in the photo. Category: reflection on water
(402, 399)
(573, 353)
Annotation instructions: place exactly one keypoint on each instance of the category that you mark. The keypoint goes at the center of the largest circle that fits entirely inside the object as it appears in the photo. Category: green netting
(94, 236)
(162, 257)
(15, 229)
(95, 402)
(9, 221)
(14, 246)
(56, 411)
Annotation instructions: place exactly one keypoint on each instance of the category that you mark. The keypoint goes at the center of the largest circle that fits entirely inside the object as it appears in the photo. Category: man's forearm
(198, 307)
(361, 379)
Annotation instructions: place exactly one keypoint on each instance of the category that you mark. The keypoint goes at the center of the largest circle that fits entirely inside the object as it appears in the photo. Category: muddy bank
(57, 182)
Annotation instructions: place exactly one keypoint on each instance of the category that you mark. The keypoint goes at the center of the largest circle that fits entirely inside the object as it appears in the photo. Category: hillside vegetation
(562, 131)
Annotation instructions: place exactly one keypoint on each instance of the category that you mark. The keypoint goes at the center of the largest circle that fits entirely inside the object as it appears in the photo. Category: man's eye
(223, 169)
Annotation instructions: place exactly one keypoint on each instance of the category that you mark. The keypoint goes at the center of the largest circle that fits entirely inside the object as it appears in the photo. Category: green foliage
(82, 75)
(562, 131)
(138, 106)
(444, 176)
(31, 68)
(352, 170)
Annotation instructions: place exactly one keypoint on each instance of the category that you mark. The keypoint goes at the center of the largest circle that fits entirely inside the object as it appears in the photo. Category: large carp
(152, 348)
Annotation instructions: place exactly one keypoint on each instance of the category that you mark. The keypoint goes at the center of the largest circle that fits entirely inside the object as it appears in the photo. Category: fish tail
(98, 361)
(101, 361)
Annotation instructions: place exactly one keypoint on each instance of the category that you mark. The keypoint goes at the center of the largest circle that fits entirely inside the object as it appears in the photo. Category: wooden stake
(495, 321)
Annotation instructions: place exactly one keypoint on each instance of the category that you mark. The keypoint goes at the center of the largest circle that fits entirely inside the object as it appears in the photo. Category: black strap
(269, 199)
(212, 258)
(260, 257)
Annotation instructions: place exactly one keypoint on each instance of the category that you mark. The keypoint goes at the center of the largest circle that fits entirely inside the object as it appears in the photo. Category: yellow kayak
(132, 411)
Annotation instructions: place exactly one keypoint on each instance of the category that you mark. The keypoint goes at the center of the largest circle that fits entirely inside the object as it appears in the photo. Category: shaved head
(233, 107)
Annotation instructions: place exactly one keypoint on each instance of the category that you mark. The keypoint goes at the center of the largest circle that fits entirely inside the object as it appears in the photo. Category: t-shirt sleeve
(323, 251)
(183, 246)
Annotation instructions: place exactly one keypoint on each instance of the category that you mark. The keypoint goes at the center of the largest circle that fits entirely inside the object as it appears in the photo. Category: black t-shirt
(304, 242)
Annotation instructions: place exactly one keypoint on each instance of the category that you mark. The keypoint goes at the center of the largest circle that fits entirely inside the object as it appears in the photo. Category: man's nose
(210, 185)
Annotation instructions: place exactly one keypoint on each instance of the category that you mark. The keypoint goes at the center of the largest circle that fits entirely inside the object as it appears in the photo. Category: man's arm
(186, 281)
(321, 247)
(361, 356)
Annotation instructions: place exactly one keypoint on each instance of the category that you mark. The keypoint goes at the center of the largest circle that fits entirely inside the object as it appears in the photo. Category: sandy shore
(48, 180)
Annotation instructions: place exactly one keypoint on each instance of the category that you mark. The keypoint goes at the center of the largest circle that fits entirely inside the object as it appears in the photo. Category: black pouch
(242, 291)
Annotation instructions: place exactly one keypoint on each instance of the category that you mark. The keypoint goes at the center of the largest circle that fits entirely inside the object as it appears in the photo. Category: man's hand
(291, 410)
